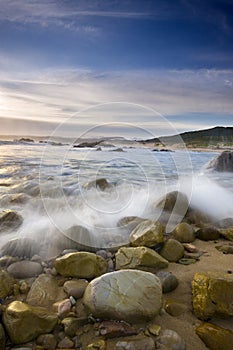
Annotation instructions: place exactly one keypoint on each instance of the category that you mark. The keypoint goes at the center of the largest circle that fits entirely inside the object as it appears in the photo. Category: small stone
(184, 233)
(113, 329)
(71, 325)
(47, 341)
(154, 329)
(25, 269)
(208, 234)
(97, 345)
(65, 343)
(148, 233)
(215, 337)
(172, 250)
(168, 280)
(75, 287)
(72, 300)
(2, 338)
(225, 248)
(187, 261)
(174, 308)
(62, 308)
(171, 339)
(145, 343)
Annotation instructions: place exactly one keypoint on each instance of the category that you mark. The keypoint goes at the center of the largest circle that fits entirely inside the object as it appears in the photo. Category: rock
(75, 288)
(215, 337)
(45, 291)
(172, 250)
(154, 329)
(141, 258)
(129, 295)
(19, 198)
(145, 343)
(114, 329)
(129, 222)
(7, 260)
(168, 280)
(25, 269)
(148, 233)
(212, 294)
(71, 325)
(2, 338)
(62, 308)
(65, 343)
(97, 345)
(184, 233)
(21, 247)
(119, 149)
(225, 248)
(9, 220)
(227, 233)
(222, 162)
(24, 323)
(76, 237)
(176, 202)
(208, 234)
(101, 184)
(197, 218)
(81, 265)
(224, 223)
(48, 341)
(174, 308)
(171, 339)
(6, 284)
(191, 248)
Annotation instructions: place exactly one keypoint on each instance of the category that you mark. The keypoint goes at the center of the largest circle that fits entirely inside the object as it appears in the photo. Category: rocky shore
(159, 291)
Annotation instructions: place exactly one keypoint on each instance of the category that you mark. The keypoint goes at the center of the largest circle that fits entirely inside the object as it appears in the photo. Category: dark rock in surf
(176, 202)
(21, 247)
(208, 234)
(222, 162)
(101, 184)
(9, 220)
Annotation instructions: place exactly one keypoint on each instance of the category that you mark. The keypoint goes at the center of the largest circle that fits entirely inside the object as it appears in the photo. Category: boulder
(222, 162)
(129, 295)
(2, 338)
(215, 337)
(45, 291)
(6, 284)
(208, 234)
(129, 222)
(172, 250)
(81, 265)
(25, 269)
(169, 339)
(212, 294)
(175, 201)
(101, 184)
(184, 233)
(24, 323)
(141, 258)
(9, 220)
(148, 233)
(21, 247)
(198, 218)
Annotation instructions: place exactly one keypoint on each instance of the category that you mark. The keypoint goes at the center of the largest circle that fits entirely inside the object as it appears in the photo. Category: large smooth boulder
(9, 220)
(129, 295)
(45, 291)
(212, 293)
(25, 269)
(222, 162)
(141, 258)
(215, 337)
(148, 233)
(6, 284)
(81, 265)
(24, 323)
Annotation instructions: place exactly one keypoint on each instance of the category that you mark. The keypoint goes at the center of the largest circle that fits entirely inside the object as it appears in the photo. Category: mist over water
(54, 199)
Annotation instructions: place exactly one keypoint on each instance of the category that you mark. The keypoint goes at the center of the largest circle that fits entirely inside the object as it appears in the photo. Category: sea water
(52, 179)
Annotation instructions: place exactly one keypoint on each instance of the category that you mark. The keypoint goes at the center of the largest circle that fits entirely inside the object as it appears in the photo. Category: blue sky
(168, 62)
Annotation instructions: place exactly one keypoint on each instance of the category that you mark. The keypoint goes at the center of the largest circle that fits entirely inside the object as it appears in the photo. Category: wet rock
(71, 325)
(25, 269)
(129, 295)
(208, 234)
(75, 288)
(20, 247)
(171, 339)
(76, 237)
(154, 329)
(222, 162)
(136, 343)
(19, 198)
(24, 323)
(176, 202)
(148, 233)
(81, 265)
(2, 338)
(198, 218)
(9, 220)
(129, 222)
(45, 291)
(212, 294)
(174, 308)
(97, 345)
(114, 329)
(227, 233)
(184, 233)
(47, 341)
(141, 258)
(215, 337)
(172, 250)
(168, 280)
(65, 343)
(6, 284)
(62, 308)
(101, 184)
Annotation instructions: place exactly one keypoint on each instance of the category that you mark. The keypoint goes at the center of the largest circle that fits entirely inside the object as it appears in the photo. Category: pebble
(65, 343)
(168, 280)
(171, 339)
(75, 287)
(25, 269)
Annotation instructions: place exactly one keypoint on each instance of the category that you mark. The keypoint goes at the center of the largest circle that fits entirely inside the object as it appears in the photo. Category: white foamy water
(52, 177)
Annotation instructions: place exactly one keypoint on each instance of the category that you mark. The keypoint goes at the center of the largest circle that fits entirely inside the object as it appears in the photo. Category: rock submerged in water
(128, 295)
(222, 162)
(9, 220)
(212, 294)
(215, 337)
(147, 233)
(24, 323)
(21, 247)
(175, 201)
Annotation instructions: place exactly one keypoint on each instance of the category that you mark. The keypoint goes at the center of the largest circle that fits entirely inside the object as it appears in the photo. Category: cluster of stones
(111, 299)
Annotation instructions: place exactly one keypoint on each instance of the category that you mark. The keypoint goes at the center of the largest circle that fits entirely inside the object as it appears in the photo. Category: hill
(218, 136)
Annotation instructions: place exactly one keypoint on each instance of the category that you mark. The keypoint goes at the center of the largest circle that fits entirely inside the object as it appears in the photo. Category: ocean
(46, 185)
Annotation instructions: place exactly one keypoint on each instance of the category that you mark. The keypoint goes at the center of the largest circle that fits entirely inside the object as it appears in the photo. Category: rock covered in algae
(129, 295)
(212, 293)
(148, 233)
(141, 258)
(81, 265)
(215, 337)
(23, 322)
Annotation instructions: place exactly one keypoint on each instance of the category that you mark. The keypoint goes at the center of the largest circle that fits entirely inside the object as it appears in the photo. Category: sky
(83, 67)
